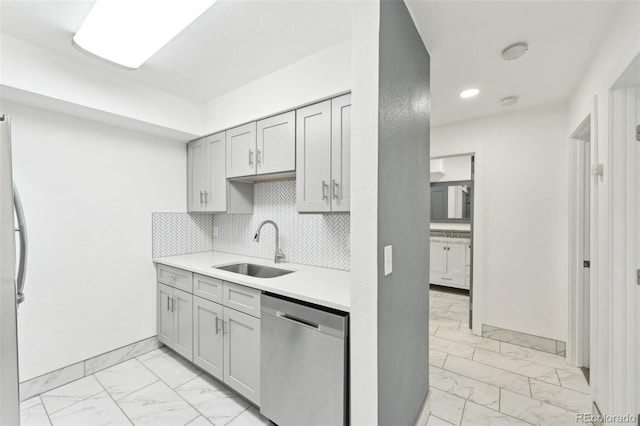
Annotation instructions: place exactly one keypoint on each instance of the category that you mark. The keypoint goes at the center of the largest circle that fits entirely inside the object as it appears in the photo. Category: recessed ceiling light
(469, 93)
(509, 101)
(129, 32)
(515, 51)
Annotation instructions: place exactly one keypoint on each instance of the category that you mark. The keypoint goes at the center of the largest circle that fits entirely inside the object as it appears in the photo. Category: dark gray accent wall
(403, 217)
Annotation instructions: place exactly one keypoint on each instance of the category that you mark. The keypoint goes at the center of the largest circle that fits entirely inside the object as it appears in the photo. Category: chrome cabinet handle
(258, 159)
(206, 197)
(324, 192)
(201, 193)
(167, 303)
(173, 304)
(217, 325)
(335, 190)
(225, 329)
(250, 157)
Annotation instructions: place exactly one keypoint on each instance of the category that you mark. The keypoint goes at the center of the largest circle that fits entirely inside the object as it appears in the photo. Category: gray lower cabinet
(175, 320)
(242, 353)
(208, 341)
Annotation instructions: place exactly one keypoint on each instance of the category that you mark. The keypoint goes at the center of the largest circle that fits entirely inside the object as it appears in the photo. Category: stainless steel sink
(254, 270)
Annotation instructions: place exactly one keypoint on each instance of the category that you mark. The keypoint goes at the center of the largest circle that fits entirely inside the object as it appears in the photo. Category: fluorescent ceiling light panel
(129, 32)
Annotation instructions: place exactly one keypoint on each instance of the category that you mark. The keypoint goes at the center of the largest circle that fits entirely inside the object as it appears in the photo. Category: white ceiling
(231, 44)
(238, 41)
(465, 39)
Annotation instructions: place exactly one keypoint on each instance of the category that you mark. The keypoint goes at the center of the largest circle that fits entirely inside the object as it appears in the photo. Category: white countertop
(322, 286)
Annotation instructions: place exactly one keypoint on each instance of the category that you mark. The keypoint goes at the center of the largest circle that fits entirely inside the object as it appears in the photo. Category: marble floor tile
(98, 409)
(250, 417)
(459, 307)
(119, 355)
(125, 378)
(491, 375)
(533, 411)
(32, 413)
(52, 380)
(517, 365)
(69, 394)
(441, 303)
(560, 397)
(457, 316)
(432, 329)
(212, 399)
(451, 347)
(437, 421)
(469, 339)
(443, 322)
(157, 404)
(170, 367)
(447, 406)
(477, 415)
(534, 355)
(573, 378)
(465, 387)
(522, 339)
(437, 357)
(200, 421)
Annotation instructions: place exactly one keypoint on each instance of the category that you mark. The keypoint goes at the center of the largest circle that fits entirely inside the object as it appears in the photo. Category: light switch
(388, 260)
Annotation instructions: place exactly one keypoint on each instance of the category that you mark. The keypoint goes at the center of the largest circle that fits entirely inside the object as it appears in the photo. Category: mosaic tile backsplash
(180, 233)
(310, 239)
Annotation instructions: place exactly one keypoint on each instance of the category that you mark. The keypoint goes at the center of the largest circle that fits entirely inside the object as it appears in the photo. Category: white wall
(525, 214)
(317, 76)
(88, 192)
(453, 168)
(615, 53)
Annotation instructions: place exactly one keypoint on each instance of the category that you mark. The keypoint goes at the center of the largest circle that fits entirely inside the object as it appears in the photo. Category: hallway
(480, 381)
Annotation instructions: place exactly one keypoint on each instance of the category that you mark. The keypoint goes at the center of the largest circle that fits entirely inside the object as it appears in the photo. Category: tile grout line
(117, 405)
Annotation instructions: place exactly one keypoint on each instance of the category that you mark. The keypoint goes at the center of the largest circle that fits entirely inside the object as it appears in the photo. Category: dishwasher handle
(298, 320)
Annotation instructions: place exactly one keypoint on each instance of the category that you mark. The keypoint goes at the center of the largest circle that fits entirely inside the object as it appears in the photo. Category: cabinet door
(165, 315)
(438, 258)
(242, 354)
(241, 150)
(341, 153)
(215, 197)
(196, 175)
(276, 144)
(183, 323)
(457, 258)
(208, 342)
(313, 158)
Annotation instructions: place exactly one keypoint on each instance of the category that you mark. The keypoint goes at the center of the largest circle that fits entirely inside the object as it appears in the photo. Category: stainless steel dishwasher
(303, 364)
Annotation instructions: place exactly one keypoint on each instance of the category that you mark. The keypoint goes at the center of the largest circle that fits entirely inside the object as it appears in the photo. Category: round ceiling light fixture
(515, 51)
(469, 93)
(509, 101)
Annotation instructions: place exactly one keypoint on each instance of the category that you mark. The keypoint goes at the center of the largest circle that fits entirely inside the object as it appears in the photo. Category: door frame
(580, 145)
(476, 150)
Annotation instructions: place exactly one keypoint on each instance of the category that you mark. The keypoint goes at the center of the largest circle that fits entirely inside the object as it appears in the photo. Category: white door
(242, 354)
(196, 175)
(341, 153)
(276, 144)
(637, 246)
(438, 258)
(585, 292)
(216, 191)
(164, 314)
(208, 343)
(457, 258)
(183, 323)
(313, 157)
(241, 150)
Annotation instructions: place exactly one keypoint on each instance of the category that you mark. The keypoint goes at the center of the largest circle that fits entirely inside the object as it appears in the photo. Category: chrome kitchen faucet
(279, 255)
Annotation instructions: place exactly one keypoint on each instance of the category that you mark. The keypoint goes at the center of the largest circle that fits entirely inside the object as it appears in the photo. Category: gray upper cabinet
(276, 144)
(196, 175)
(323, 150)
(215, 199)
(313, 152)
(241, 150)
(341, 154)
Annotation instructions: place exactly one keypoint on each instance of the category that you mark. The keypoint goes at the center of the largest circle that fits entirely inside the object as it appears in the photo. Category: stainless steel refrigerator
(11, 284)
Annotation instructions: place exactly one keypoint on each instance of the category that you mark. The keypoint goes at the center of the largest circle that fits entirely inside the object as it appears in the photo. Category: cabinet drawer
(457, 280)
(207, 288)
(241, 298)
(175, 277)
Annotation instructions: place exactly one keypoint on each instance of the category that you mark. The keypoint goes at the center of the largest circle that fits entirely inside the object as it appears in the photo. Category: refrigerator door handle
(22, 231)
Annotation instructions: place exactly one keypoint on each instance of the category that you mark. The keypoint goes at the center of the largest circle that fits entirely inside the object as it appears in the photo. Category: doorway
(578, 350)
